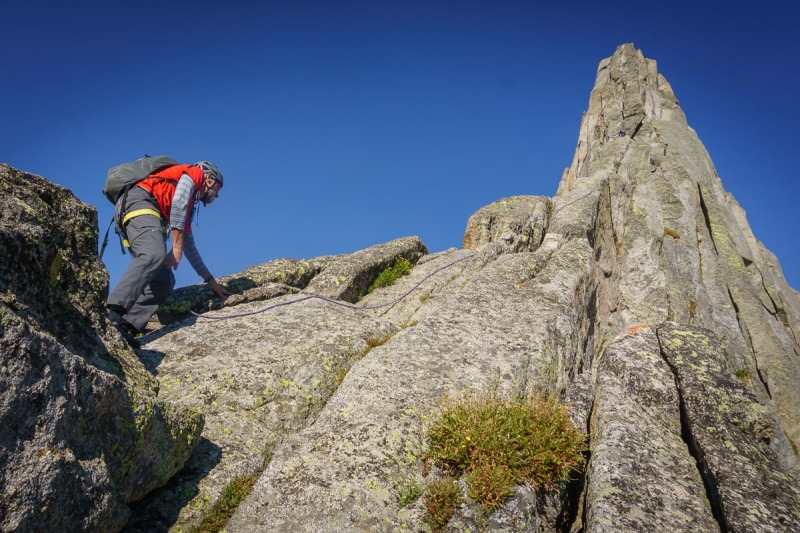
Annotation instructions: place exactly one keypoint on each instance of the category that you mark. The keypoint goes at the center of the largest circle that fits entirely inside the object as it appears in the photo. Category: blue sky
(339, 125)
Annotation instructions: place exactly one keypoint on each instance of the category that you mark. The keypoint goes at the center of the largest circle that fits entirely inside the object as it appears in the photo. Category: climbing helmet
(210, 168)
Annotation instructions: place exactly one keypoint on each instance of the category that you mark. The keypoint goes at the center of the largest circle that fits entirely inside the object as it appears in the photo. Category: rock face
(638, 295)
(82, 432)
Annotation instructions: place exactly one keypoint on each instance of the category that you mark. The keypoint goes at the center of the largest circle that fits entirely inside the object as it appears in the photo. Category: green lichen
(55, 268)
(719, 233)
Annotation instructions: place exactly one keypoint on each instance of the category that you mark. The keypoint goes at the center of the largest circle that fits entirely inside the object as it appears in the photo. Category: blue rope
(509, 238)
(338, 302)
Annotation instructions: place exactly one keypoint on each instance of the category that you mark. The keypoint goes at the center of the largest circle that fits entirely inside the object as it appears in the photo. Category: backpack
(120, 180)
(127, 174)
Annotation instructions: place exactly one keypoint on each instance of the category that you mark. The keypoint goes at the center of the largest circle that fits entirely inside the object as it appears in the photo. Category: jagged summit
(637, 295)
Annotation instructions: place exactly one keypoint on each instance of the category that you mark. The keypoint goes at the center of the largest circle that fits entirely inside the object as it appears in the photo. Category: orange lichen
(633, 329)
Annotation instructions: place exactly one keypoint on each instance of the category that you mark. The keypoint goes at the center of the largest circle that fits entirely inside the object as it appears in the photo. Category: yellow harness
(134, 214)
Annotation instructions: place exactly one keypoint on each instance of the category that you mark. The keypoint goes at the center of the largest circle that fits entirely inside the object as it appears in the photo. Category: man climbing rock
(160, 205)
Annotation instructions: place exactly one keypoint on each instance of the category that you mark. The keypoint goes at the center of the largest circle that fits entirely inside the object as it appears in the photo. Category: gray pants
(147, 282)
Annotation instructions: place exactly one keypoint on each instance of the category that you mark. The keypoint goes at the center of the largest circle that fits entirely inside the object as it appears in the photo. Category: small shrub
(441, 500)
(491, 484)
(401, 267)
(408, 495)
(500, 443)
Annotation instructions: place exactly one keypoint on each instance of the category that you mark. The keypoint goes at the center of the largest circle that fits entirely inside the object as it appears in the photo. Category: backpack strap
(105, 239)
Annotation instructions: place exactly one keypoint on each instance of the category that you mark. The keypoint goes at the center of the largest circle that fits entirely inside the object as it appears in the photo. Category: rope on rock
(509, 238)
(338, 302)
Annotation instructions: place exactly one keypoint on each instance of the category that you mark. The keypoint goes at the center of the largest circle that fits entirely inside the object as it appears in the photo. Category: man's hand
(176, 253)
(218, 289)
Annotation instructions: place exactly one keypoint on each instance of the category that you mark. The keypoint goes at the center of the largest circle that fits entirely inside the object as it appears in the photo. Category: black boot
(126, 330)
(126, 334)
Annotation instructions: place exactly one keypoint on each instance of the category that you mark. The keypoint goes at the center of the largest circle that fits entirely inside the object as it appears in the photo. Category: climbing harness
(532, 220)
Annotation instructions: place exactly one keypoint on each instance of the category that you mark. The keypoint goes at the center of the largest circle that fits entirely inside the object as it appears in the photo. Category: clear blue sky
(339, 125)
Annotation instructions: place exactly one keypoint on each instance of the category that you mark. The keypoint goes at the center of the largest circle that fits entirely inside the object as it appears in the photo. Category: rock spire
(637, 295)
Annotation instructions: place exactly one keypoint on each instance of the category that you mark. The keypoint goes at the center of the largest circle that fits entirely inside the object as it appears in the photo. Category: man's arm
(177, 219)
(193, 255)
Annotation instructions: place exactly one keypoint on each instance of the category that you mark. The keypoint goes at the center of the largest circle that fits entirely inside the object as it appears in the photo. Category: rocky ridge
(638, 295)
(83, 432)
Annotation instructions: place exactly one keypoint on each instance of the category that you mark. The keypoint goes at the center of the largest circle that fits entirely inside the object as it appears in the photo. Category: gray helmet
(210, 168)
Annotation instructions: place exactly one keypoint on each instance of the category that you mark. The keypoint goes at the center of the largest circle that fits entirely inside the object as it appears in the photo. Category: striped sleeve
(180, 203)
(193, 255)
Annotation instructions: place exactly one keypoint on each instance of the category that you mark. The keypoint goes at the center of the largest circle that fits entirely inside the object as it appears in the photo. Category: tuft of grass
(743, 375)
(232, 495)
(401, 267)
(692, 308)
(408, 495)
(498, 443)
(441, 499)
(374, 342)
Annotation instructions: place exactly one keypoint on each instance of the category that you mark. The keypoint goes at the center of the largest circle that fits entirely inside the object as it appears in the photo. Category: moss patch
(401, 267)
(233, 494)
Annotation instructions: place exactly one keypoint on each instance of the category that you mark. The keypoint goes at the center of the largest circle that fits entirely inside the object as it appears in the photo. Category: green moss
(232, 495)
(743, 375)
(55, 268)
(401, 267)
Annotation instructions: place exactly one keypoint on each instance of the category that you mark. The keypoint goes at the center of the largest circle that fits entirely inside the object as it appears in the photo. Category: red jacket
(163, 190)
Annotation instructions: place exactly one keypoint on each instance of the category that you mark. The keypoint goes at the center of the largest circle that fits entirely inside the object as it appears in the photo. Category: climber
(162, 203)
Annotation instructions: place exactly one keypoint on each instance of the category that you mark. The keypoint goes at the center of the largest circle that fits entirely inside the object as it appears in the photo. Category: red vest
(163, 190)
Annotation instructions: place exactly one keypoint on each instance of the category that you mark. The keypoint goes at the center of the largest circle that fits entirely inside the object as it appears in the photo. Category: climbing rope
(532, 220)
(339, 302)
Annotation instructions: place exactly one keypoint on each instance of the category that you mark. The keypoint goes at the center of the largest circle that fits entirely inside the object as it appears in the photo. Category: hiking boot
(126, 332)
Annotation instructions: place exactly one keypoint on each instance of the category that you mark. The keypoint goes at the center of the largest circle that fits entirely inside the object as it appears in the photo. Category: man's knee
(153, 258)
(163, 283)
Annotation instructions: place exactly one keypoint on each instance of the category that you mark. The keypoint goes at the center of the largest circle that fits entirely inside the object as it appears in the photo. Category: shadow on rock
(160, 509)
(164, 330)
(150, 359)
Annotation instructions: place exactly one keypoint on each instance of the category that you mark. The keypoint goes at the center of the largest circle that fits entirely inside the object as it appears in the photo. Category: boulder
(348, 278)
(82, 431)
(517, 220)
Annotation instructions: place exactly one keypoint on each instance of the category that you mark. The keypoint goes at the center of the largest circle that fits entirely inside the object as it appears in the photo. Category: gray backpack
(120, 180)
(124, 176)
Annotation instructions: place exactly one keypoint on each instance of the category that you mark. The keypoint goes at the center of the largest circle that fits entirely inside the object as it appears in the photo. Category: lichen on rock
(83, 432)
(637, 295)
